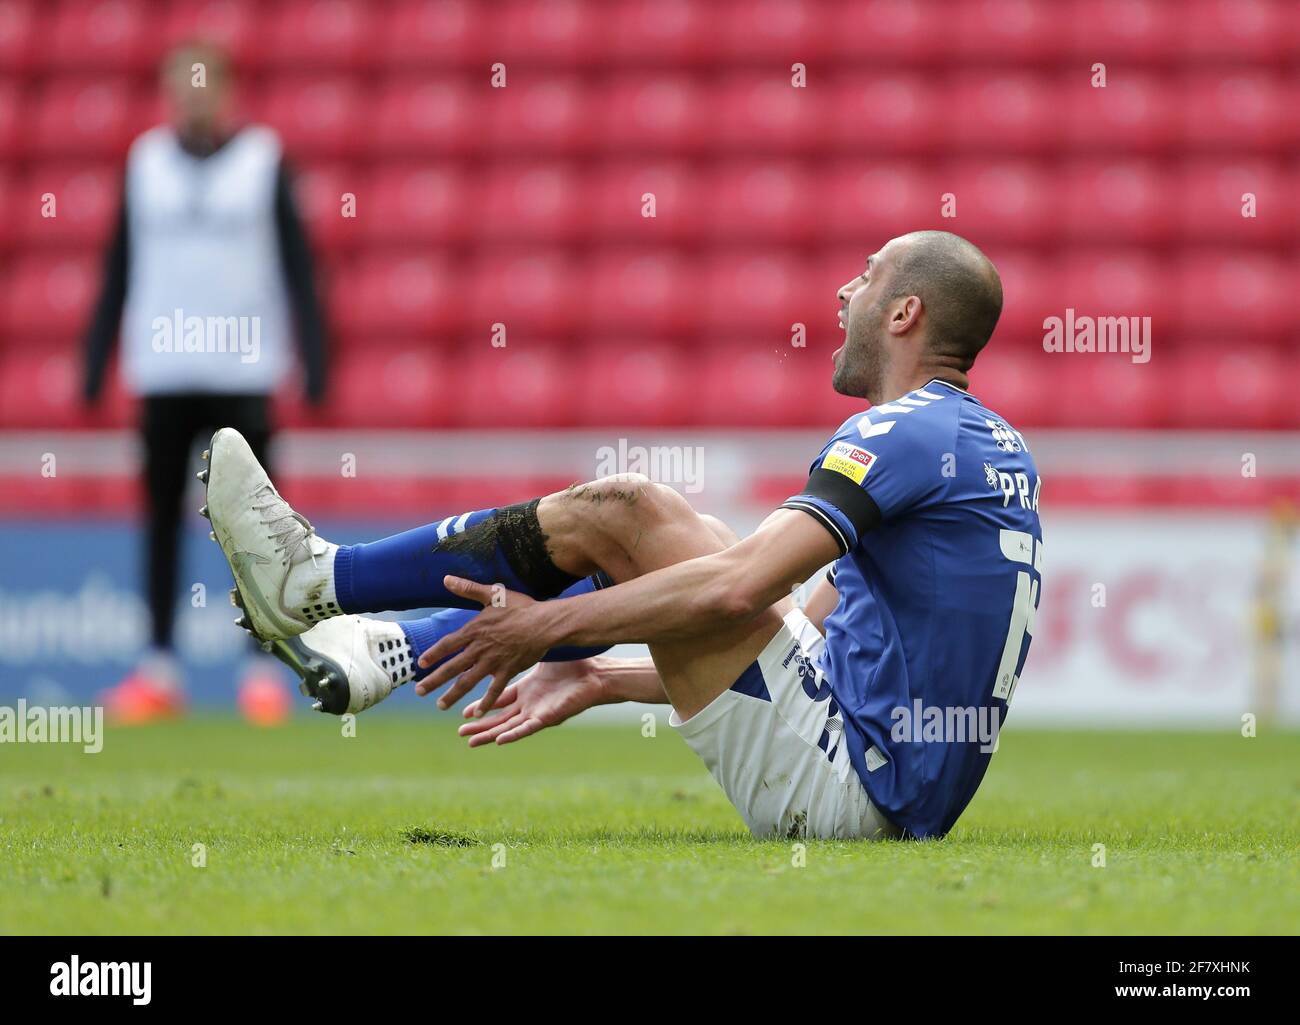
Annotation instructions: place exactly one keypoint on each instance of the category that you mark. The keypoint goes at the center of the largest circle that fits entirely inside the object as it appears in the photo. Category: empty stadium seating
(649, 206)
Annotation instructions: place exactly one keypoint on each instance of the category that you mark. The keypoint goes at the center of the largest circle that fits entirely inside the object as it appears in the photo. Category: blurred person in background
(207, 274)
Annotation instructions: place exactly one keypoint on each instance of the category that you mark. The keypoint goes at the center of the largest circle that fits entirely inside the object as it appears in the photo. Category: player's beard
(861, 367)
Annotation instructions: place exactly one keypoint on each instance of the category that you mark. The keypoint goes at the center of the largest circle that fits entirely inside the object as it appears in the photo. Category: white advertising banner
(1154, 617)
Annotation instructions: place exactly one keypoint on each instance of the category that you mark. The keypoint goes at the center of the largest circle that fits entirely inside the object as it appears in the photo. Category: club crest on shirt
(851, 461)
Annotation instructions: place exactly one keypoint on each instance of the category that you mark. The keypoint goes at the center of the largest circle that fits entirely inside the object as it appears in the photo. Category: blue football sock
(423, 634)
(492, 546)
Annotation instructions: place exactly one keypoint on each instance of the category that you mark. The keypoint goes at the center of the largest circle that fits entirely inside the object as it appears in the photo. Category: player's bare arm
(686, 600)
(554, 692)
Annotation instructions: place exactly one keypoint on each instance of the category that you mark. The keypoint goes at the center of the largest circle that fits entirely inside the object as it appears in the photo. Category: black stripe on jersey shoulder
(850, 499)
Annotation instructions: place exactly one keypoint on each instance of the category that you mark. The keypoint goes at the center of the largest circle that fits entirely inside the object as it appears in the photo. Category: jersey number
(1021, 547)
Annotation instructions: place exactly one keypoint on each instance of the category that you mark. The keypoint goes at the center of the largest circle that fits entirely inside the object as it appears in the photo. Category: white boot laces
(289, 530)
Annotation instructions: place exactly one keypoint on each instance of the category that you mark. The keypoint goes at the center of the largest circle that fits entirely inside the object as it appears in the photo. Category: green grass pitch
(597, 829)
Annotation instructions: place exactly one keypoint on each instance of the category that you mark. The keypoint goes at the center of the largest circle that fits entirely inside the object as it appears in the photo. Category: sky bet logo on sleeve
(849, 460)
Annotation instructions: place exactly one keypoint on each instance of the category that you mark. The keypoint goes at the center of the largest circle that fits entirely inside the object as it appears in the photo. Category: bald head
(958, 286)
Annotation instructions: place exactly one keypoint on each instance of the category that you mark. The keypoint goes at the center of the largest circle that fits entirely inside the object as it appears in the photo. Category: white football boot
(284, 573)
(348, 663)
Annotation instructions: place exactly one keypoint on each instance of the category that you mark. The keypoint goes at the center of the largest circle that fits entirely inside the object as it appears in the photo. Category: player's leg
(349, 663)
(288, 579)
(154, 688)
(167, 435)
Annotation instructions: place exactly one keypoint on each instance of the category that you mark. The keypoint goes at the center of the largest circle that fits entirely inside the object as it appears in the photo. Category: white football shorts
(775, 744)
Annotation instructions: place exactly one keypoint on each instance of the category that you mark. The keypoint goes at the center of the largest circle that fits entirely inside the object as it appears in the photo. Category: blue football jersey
(933, 499)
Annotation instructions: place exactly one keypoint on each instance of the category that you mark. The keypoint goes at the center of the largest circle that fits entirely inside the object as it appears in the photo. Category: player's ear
(904, 315)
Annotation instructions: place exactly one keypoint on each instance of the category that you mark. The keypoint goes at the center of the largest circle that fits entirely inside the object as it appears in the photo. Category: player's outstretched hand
(547, 696)
(500, 642)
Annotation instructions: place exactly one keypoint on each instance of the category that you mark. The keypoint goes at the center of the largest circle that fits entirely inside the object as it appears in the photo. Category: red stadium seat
(525, 384)
(655, 113)
(1109, 390)
(1033, 289)
(998, 199)
(1008, 31)
(1212, 202)
(648, 290)
(533, 114)
(102, 35)
(540, 202)
(406, 388)
(1246, 292)
(1247, 31)
(17, 35)
(562, 33)
(428, 116)
(773, 31)
(40, 386)
(317, 117)
(11, 210)
(770, 202)
(319, 191)
(1237, 110)
(632, 384)
(315, 34)
(764, 113)
(427, 205)
(85, 201)
(1116, 202)
(49, 297)
(1290, 415)
(11, 117)
(417, 32)
(866, 203)
(1134, 111)
(84, 117)
(533, 292)
(37, 389)
(622, 203)
(1019, 383)
(876, 29)
(1219, 385)
(1001, 112)
(1120, 283)
(759, 384)
(393, 296)
(661, 32)
(1110, 30)
(761, 295)
(232, 24)
(890, 113)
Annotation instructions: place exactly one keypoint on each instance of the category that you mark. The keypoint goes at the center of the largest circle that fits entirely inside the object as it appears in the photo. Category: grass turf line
(602, 830)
